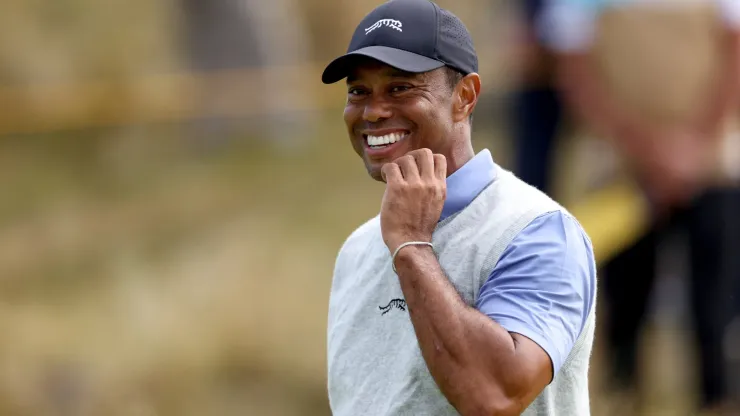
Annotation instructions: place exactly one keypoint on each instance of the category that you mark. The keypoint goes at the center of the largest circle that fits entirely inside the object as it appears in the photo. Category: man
(471, 292)
(660, 81)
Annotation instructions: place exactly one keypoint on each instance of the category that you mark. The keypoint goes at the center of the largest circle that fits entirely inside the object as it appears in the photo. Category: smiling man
(470, 292)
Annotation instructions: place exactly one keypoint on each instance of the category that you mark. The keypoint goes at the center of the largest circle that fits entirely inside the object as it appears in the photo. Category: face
(390, 113)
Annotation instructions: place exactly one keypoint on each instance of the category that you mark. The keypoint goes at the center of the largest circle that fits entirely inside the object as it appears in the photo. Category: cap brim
(339, 68)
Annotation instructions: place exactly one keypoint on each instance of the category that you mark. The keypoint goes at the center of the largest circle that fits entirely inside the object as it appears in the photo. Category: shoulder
(508, 183)
(516, 203)
(353, 250)
(552, 253)
(360, 238)
(555, 238)
(559, 231)
(497, 216)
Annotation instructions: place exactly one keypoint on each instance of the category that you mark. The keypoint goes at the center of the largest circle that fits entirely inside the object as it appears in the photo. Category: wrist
(407, 256)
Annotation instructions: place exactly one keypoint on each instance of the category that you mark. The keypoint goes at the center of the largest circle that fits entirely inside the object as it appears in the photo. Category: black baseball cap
(411, 35)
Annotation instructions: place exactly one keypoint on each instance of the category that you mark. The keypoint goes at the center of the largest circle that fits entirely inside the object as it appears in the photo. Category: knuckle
(409, 162)
(415, 185)
(413, 182)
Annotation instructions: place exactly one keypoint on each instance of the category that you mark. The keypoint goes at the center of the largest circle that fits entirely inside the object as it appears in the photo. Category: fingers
(391, 173)
(408, 167)
(425, 162)
(417, 165)
(440, 167)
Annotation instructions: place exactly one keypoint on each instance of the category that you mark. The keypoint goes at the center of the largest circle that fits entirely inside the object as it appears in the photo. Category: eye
(356, 91)
(399, 88)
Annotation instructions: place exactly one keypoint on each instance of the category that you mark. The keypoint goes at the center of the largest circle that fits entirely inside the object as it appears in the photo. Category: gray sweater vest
(374, 361)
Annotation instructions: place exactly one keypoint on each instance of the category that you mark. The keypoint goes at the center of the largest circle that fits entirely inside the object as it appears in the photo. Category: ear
(466, 93)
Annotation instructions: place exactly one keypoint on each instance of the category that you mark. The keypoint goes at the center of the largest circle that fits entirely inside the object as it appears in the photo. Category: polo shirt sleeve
(544, 285)
(567, 25)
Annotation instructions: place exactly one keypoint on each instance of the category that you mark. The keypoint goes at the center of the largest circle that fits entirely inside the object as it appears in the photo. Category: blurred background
(175, 183)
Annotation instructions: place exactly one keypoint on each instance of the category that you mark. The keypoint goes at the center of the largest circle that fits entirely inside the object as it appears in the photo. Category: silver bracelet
(410, 243)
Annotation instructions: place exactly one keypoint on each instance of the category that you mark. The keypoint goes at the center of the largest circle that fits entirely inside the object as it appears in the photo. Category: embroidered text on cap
(394, 24)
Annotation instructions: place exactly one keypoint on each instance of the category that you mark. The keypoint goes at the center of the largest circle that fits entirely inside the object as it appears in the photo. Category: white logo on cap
(393, 24)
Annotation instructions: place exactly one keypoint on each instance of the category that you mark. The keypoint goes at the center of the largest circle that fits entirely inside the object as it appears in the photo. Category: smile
(382, 145)
(385, 140)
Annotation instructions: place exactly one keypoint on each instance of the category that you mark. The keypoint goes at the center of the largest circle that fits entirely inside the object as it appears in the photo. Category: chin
(375, 173)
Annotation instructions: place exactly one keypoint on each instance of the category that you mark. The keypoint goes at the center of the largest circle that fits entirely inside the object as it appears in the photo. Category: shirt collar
(467, 182)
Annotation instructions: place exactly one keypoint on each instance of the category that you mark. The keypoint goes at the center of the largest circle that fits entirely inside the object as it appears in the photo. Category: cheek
(432, 121)
(353, 114)
(349, 116)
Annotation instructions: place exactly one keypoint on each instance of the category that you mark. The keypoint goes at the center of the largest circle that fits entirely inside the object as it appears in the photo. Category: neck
(460, 153)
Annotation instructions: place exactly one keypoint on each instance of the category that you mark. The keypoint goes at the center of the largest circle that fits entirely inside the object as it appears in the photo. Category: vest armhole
(582, 337)
(493, 255)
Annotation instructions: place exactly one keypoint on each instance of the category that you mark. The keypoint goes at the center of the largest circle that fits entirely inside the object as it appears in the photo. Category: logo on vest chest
(399, 304)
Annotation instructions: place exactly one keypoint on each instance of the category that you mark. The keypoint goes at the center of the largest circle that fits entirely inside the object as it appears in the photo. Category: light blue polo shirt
(544, 284)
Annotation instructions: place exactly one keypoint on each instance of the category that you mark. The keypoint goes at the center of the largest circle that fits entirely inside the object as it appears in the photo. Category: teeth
(385, 140)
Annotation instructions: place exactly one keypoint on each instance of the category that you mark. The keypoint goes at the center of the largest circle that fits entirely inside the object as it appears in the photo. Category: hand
(415, 193)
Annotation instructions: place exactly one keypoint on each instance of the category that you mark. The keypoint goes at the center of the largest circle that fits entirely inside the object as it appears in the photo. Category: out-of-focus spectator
(659, 81)
(536, 110)
(223, 37)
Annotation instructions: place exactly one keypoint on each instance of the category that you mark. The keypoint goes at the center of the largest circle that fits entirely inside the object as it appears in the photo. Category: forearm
(472, 359)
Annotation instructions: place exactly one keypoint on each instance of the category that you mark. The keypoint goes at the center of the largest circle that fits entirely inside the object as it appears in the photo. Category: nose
(376, 109)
